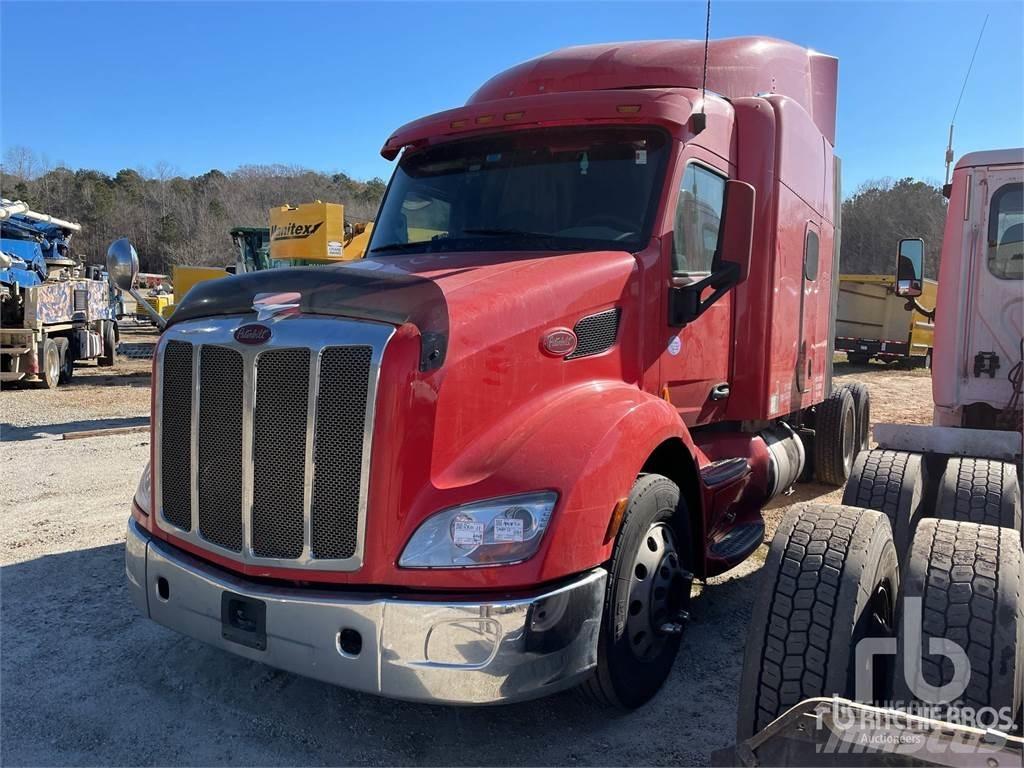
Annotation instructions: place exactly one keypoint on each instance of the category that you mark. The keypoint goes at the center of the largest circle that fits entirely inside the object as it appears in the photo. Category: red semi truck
(591, 337)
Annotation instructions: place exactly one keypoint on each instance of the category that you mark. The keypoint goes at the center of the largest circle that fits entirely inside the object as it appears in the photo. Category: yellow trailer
(873, 322)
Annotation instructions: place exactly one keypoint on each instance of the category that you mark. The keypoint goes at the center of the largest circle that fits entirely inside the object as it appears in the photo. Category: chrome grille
(220, 446)
(340, 414)
(276, 436)
(176, 435)
(279, 453)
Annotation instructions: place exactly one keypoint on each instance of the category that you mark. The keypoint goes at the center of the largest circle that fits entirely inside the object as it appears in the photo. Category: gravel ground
(85, 680)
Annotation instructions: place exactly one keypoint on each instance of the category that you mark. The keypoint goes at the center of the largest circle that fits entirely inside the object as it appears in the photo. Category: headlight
(144, 492)
(492, 532)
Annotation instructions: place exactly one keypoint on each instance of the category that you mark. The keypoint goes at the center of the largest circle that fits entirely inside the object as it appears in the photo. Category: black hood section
(384, 295)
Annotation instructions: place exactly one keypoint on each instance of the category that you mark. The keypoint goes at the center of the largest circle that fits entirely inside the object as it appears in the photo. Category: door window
(698, 216)
(1006, 232)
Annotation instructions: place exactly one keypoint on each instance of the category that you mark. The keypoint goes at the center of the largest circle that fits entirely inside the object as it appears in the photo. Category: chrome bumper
(418, 649)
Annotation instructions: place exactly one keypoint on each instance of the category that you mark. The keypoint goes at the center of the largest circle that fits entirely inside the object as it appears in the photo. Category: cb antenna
(700, 120)
(949, 146)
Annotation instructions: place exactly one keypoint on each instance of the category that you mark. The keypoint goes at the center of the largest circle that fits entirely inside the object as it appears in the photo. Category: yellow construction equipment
(315, 233)
(873, 322)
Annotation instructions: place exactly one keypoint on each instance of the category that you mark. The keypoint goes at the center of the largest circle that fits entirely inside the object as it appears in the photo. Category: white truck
(893, 624)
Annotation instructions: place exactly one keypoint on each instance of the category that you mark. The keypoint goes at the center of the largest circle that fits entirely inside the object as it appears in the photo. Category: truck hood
(418, 289)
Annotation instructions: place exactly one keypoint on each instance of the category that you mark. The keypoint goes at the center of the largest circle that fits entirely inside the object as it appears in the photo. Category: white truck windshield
(551, 189)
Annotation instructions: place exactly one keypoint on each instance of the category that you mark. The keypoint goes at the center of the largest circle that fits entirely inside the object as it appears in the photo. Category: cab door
(696, 360)
(993, 322)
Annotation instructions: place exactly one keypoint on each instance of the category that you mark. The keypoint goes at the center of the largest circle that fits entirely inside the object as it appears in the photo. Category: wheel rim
(52, 365)
(881, 623)
(657, 592)
(849, 438)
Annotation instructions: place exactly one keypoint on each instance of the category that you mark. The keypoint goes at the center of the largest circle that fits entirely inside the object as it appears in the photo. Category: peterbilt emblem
(268, 305)
(252, 334)
(559, 342)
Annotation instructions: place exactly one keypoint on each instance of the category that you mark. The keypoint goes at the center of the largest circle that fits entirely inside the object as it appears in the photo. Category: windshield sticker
(584, 164)
(494, 157)
(675, 346)
(641, 157)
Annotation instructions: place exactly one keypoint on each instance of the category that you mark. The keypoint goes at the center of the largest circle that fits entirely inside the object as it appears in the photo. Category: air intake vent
(596, 333)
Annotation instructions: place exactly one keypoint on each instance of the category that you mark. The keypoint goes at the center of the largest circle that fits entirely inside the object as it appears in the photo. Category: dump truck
(51, 313)
(893, 625)
(592, 332)
(872, 322)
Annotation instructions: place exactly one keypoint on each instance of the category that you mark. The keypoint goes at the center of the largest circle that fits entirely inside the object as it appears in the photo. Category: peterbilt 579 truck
(591, 337)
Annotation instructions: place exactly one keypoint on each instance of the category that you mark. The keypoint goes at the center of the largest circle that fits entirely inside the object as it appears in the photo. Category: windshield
(551, 189)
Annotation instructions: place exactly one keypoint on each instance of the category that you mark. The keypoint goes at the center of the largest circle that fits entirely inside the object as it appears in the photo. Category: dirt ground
(85, 680)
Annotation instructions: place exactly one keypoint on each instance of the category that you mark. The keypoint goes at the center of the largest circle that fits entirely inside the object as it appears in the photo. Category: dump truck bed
(872, 320)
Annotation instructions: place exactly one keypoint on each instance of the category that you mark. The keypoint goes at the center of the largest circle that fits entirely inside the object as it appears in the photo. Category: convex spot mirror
(122, 264)
(910, 267)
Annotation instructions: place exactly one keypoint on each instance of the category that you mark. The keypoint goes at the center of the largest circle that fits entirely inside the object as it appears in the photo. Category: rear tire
(982, 491)
(892, 483)
(835, 438)
(634, 658)
(49, 364)
(862, 412)
(969, 579)
(109, 356)
(67, 361)
(830, 580)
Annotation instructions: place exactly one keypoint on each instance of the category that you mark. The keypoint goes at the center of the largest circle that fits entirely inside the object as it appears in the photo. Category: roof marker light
(484, 119)
(513, 115)
(458, 123)
(628, 109)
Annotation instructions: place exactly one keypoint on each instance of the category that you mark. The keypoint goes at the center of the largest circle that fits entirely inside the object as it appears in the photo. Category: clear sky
(218, 85)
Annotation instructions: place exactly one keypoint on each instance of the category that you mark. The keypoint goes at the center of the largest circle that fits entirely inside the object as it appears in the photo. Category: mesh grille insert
(338, 450)
(279, 453)
(176, 435)
(220, 446)
(596, 333)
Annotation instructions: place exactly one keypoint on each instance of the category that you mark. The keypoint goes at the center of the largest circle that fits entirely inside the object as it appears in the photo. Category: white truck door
(994, 323)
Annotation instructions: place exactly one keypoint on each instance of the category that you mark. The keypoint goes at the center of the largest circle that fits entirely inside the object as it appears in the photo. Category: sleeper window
(698, 216)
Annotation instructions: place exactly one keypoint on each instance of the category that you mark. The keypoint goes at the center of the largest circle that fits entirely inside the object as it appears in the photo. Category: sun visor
(652, 106)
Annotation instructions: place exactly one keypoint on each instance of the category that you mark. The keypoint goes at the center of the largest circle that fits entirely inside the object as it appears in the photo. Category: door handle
(720, 391)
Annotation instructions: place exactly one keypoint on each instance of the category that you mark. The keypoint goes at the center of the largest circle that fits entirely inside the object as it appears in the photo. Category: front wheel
(647, 597)
(50, 364)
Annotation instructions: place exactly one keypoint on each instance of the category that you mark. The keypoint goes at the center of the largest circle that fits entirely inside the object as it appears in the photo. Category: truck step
(738, 542)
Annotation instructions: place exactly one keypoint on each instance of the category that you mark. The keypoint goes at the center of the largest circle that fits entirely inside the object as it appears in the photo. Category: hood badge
(253, 333)
(269, 306)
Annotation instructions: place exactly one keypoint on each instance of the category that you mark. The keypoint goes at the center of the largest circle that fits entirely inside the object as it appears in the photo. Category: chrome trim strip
(308, 332)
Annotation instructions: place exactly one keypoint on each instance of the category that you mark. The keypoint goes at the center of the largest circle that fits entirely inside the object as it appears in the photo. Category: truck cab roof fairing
(737, 66)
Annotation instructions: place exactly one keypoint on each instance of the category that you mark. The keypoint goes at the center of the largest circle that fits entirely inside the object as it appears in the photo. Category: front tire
(648, 591)
(49, 373)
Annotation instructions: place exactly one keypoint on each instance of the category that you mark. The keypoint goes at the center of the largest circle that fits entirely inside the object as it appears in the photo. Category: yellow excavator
(300, 235)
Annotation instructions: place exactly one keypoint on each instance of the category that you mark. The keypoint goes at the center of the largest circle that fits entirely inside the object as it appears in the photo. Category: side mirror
(737, 227)
(732, 260)
(910, 268)
(122, 264)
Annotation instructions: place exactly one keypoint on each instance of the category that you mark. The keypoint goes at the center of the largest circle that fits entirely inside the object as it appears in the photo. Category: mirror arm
(913, 305)
(686, 304)
(158, 321)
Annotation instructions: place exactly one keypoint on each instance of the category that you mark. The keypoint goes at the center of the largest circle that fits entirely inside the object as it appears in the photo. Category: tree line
(174, 219)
